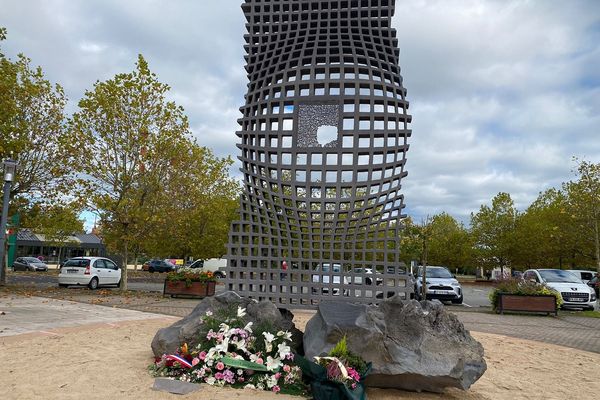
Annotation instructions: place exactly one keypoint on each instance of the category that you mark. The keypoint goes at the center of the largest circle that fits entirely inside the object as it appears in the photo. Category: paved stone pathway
(19, 315)
(570, 331)
(566, 330)
(30, 314)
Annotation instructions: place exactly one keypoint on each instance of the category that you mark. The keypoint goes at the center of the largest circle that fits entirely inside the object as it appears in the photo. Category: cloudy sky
(503, 93)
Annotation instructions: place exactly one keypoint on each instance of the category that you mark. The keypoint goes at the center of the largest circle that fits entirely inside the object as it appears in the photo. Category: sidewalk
(39, 315)
(566, 330)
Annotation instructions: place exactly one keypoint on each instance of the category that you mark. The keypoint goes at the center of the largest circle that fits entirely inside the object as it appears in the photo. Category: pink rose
(202, 355)
(276, 389)
(287, 368)
(277, 375)
(195, 361)
(220, 366)
(259, 361)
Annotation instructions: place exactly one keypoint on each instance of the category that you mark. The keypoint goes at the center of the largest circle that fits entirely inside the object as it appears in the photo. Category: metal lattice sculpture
(323, 142)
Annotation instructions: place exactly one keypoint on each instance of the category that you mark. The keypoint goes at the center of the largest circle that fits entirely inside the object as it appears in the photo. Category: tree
(411, 244)
(545, 234)
(57, 224)
(132, 138)
(450, 243)
(584, 201)
(493, 232)
(33, 131)
(199, 206)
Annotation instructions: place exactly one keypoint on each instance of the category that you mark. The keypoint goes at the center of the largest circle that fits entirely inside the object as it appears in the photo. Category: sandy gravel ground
(108, 361)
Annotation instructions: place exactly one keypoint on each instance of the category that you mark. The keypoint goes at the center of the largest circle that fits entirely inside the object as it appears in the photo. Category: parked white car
(585, 276)
(440, 283)
(368, 280)
(215, 265)
(89, 271)
(336, 279)
(574, 292)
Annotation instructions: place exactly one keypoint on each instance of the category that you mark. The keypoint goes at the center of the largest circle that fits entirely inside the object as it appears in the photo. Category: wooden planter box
(519, 302)
(196, 289)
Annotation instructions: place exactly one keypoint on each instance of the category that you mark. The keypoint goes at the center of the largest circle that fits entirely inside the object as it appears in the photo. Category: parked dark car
(29, 264)
(595, 284)
(159, 266)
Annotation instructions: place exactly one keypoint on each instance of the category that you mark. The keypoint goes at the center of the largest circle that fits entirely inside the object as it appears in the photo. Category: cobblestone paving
(570, 331)
(566, 330)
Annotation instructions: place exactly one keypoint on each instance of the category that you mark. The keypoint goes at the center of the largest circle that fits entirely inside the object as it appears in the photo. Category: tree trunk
(135, 261)
(59, 255)
(424, 262)
(124, 269)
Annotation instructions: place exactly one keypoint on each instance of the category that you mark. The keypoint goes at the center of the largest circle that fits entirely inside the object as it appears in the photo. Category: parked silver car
(440, 283)
(29, 264)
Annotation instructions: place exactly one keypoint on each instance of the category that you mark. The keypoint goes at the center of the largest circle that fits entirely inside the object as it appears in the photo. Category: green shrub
(522, 287)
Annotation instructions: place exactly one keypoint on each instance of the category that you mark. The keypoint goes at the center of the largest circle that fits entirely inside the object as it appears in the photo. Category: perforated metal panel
(323, 142)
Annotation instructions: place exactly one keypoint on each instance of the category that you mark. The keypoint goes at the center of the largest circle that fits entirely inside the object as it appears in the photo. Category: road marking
(466, 305)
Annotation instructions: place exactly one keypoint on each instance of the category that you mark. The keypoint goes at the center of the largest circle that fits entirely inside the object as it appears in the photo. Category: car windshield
(556, 275)
(436, 273)
(32, 259)
(77, 263)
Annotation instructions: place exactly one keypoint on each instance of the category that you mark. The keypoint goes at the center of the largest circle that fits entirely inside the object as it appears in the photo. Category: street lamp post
(10, 167)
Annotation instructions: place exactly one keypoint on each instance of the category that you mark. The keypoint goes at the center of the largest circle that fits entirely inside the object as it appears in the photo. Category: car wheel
(93, 285)
(457, 301)
(151, 270)
(63, 285)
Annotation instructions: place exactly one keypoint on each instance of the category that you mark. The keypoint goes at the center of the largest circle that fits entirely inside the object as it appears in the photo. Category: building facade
(77, 245)
(323, 142)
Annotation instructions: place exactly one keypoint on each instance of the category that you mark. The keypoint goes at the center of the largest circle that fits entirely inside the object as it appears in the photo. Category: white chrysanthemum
(211, 380)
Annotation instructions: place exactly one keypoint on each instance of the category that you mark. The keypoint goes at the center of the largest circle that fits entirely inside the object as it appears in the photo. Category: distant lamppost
(10, 167)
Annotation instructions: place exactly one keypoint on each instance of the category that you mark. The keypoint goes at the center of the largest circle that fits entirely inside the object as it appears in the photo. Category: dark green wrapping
(324, 389)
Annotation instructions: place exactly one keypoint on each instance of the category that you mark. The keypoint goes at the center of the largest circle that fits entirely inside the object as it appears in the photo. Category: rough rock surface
(413, 345)
(167, 340)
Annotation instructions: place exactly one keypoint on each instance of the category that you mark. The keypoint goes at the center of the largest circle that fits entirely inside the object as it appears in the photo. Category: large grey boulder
(413, 346)
(187, 330)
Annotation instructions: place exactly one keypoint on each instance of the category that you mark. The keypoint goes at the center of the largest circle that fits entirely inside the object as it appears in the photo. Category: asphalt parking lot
(475, 295)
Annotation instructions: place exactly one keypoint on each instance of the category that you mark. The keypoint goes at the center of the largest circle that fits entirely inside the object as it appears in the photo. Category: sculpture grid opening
(323, 142)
